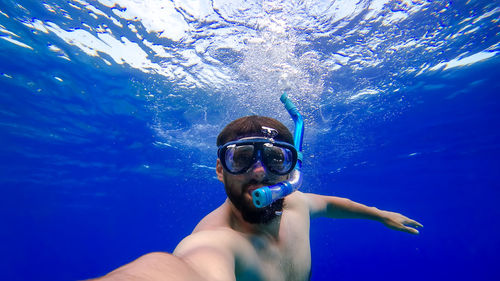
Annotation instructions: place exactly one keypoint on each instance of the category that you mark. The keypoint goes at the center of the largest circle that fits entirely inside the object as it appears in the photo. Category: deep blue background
(450, 185)
(65, 221)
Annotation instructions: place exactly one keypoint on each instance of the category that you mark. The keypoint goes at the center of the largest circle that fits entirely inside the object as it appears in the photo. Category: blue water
(107, 153)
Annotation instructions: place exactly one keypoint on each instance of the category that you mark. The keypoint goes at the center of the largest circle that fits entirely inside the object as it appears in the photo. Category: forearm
(337, 207)
(153, 266)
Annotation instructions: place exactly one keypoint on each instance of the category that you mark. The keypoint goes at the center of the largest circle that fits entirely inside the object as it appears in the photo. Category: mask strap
(269, 132)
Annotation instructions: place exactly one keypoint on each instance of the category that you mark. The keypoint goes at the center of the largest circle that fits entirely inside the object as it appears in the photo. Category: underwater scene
(110, 110)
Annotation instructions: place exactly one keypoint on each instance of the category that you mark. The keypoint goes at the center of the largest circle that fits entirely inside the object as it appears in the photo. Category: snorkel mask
(279, 158)
(237, 157)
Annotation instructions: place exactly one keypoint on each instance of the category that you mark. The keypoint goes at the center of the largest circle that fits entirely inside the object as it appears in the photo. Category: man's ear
(219, 170)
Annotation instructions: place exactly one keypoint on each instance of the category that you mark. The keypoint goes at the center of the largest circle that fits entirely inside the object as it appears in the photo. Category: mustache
(256, 182)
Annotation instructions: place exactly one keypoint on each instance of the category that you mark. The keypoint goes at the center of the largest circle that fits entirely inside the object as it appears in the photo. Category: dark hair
(251, 126)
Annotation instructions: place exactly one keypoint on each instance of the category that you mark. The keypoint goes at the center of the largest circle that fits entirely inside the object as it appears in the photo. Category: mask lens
(239, 157)
(278, 159)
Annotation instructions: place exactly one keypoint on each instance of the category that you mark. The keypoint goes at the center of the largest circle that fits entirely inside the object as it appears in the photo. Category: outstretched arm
(154, 266)
(197, 258)
(337, 207)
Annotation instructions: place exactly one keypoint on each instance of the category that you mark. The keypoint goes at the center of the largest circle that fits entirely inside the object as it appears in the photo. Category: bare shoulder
(210, 252)
(309, 203)
(214, 237)
(297, 201)
(216, 219)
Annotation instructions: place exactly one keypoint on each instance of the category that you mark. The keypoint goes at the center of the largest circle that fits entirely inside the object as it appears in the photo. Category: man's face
(239, 190)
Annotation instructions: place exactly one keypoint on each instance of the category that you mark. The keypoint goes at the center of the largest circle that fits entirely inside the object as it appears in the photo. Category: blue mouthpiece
(266, 195)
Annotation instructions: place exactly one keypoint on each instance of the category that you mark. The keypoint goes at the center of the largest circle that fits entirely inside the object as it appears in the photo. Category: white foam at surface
(365, 92)
(5, 31)
(16, 42)
(255, 49)
(4, 14)
(374, 8)
(122, 51)
(37, 25)
(81, 2)
(49, 8)
(158, 49)
(157, 16)
(168, 20)
(394, 18)
(472, 30)
(337, 10)
(487, 14)
(198, 9)
(54, 48)
(464, 61)
(96, 11)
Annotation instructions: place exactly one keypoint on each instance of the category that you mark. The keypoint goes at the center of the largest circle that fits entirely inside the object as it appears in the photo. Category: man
(238, 241)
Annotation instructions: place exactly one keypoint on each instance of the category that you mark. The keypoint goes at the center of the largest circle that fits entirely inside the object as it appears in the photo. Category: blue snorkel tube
(266, 195)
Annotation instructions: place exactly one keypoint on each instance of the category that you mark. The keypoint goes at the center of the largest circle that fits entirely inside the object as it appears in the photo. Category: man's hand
(399, 222)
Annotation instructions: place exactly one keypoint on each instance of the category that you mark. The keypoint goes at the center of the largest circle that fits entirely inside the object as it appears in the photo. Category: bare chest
(286, 258)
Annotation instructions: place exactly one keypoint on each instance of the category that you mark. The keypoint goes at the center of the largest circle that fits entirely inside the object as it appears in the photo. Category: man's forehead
(255, 137)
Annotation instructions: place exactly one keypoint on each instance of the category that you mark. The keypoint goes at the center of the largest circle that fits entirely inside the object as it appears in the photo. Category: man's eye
(243, 154)
(242, 157)
(275, 153)
(277, 160)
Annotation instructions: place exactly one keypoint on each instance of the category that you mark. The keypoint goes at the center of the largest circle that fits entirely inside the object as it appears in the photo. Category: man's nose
(258, 171)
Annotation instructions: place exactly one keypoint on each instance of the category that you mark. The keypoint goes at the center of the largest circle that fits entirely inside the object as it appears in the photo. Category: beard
(249, 212)
(260, 215)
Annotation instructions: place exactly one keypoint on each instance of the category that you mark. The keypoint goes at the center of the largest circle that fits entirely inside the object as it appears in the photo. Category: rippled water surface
(109, 111)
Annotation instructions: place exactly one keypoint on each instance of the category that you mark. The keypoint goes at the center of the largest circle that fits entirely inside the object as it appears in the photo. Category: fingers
(402, 223)
(410, 230)
(413, 223)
